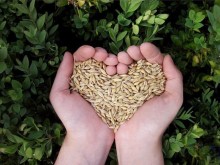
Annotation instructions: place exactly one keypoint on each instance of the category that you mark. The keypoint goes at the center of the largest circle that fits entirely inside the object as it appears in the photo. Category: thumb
(64, 72)
(174, 83)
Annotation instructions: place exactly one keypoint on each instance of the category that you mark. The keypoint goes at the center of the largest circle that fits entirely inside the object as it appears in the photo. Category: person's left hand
(86, 133)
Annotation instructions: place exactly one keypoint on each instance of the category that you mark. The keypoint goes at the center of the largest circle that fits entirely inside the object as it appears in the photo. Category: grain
(116, 98)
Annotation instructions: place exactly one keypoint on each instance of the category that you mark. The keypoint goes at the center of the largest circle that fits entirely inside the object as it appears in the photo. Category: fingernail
(66, 53)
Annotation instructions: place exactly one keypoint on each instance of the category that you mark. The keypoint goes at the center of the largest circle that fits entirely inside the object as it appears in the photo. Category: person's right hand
(138, 140)
(88, 139)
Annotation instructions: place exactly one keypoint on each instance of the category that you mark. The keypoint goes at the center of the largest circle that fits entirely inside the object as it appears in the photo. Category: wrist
(139, 150)
(84, 150)
(94, 149)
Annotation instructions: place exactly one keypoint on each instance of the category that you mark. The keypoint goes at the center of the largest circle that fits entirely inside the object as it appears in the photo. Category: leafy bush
(34, 35)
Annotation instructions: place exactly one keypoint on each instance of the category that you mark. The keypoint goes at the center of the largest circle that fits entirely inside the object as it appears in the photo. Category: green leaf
(3, 53)
(29, 152)
(31, 122)
(145, 18)
(163, 16)
(28, 34)
(192, 151)
(179, 123)
(23, 160)
(211, 17)
(189, 140)
(199, 17)
(170, 154)
(192, 15)
(197, 26)
(49, 149)
(116, 28)
(151, 20)
(49, 1)
(14, 138)
(32, 5)
(186, 115)
(134, 5)
(26, 83)
(25, 63)
(11, 149)
(159, 21)
(53, 30)
(175, 147)
(134, 40)
(38, 152)
(139, 19)
(113, 47)
(41, 21)
(57, 132)
(16, 84)
(42, 36)
(33, 69)
(149, 5)
(112, 34)
(3, 67)
(2, 25)
(155, 29)
(123, 21)
(35, 134)
(216, 12)
(135, 29)
(189, 23)
(33, 15)
(61, 3)
(105, 1)
(15, 95)
(16, 107)
(121, 35)
(22, 8)
(124, 5)
(127, 41)
(179, 136)
(197, 132)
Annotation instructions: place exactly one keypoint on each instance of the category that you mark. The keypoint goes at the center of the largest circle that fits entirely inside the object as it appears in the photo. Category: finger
(151, 53)
(63, 75)
(111, 60)
(84, 53)
(174, 83)
(100, 54)
(111, 70)
(122, 68)
(135, 53)
(124, 58)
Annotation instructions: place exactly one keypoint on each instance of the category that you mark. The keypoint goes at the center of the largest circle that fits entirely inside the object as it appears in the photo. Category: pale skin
(138, 141)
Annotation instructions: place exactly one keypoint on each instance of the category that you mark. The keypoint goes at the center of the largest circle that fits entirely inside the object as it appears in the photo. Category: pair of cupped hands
(138, 141)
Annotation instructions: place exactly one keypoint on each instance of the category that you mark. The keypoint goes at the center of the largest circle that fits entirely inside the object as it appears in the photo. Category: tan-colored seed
(116, 98)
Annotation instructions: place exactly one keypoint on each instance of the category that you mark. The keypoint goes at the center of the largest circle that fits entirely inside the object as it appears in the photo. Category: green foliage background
(34, 35)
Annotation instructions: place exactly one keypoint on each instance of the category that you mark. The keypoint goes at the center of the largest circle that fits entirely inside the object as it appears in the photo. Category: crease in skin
(135, 53)
(111, 60)
(100, 54)
(151, 53)
(111, 70)
(156, 58)
(122, 68)
(82, 53)
(123, 57)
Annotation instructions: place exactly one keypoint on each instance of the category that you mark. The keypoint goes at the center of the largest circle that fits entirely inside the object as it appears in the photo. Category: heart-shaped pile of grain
(116, 98)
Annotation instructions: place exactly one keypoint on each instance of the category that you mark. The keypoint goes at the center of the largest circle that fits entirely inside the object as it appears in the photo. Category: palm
(76, 114)
(154, 116)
